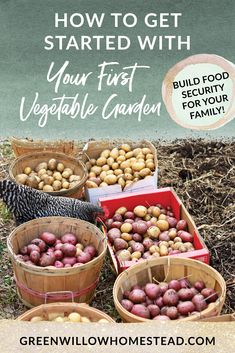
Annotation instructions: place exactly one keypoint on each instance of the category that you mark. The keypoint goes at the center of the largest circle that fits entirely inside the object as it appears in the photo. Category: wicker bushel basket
(65, 309)
(32, 160)
(34, 282)
(164, 270)
(24, 146)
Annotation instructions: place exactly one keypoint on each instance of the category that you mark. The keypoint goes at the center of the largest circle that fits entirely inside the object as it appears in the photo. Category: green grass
(5, 215)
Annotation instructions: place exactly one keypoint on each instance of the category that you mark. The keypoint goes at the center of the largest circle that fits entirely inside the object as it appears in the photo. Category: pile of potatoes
(121, 166)
(48, 176)
(61, 317)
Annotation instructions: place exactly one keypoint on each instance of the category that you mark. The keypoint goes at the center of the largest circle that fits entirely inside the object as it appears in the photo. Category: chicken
(26, 203)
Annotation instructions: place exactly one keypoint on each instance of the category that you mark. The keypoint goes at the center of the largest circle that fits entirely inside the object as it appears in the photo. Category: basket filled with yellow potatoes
(116, 167)
(51, 172)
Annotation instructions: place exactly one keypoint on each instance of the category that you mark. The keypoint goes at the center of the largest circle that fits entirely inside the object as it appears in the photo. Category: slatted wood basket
(164, 270)
(65, 309)
(33, 282)
(32, 160)
(24, 146)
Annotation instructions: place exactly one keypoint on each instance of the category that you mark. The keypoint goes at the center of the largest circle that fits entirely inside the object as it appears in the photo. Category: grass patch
(5, 214)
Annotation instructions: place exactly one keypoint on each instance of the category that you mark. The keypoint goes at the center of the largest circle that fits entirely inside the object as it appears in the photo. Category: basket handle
(47, 294)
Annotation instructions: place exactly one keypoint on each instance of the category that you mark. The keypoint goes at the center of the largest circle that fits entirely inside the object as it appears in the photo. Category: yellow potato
(103, 184)
(150, 165)
(92, 175)
(65, 185)
(110, 172)
(40, 185)
(110, 161)
(121, 210)
(114, 153)
(129, 155)
(136, 255)
(85, 319)
(103, 321)
(126, 147)
(57, 185)
(42, 165)
(42, 172)
(125, 164)
(103, 175)
(122, 153)
(37, 319)
(58, 176)
(110, 179)
(48, 188)
(27, 170)
(52, 164)
(59, 319)
(136, 151)
(67, 173)
(96, 169)
(21, 178)
(121, 159)
(49, 172)
(93, 161)
(126, 228)
(155, 211)
(128, 171)
(105, 154)
(48, 180)
(32, 182)
(163, 250)
(146, 150)
(91, 185)
(60, 167)
(74, 317)
(52, 316)
(149, 156)
(137, 166)
(126, 236)
(162, 217)
(128, 176)
(162, 225)
(144, 172)
(115, 165)
(73, 178)
(105, 167)
(118, 172)
(121, 182)
(101, 161)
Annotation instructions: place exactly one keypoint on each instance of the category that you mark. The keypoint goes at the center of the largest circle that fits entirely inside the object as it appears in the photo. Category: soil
(202, 174)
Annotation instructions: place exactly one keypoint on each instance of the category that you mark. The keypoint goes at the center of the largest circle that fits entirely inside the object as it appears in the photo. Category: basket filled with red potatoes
(150, 225)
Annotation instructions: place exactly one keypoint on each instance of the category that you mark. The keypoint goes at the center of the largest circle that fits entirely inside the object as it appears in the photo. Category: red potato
(126, 294)
(84, 257)
(116, 224)
(154, 310)
(129, 215)
(146, 255)
(164, 236)
(69, 249)
(138, 247)
(147, 243)
(78, 264)
(185, 294)
(58, 241)
(127, 304)
(185, 236)
(199, 302)
(164, 310)
(40, 243)
(69, 238)
(184, 283)
(172, 312)
(117, 218)
(194, 291)
(68, 265)
(137, 296)
(20, 257)
(32, 247)
(140, 310)
(184, 308)
(109, 223)
(49, 250)
(174, 284)
(34, 256)
(58, 246)
(137, 237)
(209, 294)
(199, 285)
(120, 244)
(140, 227)
(47, 259)
(164, 287)
(113, 234)
(172, 222)
(148, 301)
(152, 290)
(69, 261)
(26, 257)
(58, 264)
(58, 254)
(170, 297)
(131, 221)
(181, 225)
(159, 302)
(91, 250)
(48, 238)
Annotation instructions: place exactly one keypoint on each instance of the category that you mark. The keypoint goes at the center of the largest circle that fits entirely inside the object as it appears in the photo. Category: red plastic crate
(167, 197)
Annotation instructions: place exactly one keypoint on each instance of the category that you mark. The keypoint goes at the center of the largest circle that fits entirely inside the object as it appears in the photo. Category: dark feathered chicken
(26, 203)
